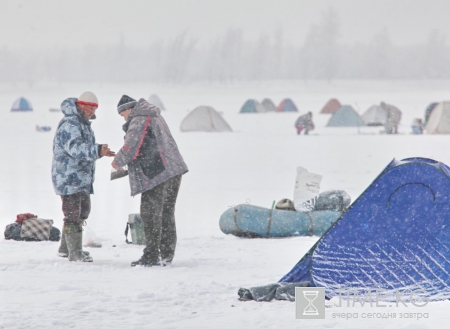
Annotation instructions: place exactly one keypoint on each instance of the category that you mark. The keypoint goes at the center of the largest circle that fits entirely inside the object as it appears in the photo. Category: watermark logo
(309, 303)
(376, 297)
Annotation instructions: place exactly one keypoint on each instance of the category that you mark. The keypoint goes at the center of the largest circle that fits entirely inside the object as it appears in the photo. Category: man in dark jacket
(155, 166)
(74, 154)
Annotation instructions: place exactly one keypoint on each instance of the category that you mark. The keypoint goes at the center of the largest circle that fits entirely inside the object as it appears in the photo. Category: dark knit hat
(125, 103)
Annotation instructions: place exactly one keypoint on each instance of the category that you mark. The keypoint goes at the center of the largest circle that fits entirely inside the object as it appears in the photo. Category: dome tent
(374, 116)
(252, 106)
(287, 105)
(331, 106)
(155, 100)
(346, 116)
(439, 120)
(21, 105)
(393, 237)
(429, 110)
(269, 106)
(204, 118)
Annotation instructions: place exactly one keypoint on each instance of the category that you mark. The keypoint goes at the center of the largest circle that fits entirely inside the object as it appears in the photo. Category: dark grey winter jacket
(149, 150)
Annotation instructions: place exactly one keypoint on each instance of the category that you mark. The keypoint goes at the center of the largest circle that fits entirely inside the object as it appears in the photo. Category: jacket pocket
(152, 163)
(150, 158)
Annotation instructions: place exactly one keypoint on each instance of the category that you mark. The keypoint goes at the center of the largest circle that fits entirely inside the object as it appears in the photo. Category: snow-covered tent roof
(268, 105)
(394, 236)
(21, 105)
(287, 105)
(155, 100)
(331, 106)
(439, 120)
(204, 118)
(374, 116)
(252, 106)
(346, 116)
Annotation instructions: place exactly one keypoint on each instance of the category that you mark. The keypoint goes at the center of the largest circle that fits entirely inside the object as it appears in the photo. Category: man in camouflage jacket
(155, 166)
(74, 154)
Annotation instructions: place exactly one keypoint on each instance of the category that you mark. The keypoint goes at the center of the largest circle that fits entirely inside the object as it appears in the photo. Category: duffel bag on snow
(36, 230)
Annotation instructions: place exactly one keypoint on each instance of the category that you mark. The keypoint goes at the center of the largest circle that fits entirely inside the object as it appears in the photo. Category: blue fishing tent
(252, 106)
(21, 105)
(287, 105)
(346, 116)
(395, 236)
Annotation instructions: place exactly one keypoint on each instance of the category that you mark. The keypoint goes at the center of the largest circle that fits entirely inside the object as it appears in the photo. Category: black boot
(146, 262)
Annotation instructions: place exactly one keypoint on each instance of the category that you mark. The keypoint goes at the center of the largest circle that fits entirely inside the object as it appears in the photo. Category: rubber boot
(63, 251)
(74, 244)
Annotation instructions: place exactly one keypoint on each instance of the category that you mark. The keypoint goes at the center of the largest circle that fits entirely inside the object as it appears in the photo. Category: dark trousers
(158, 216)
(76, 207)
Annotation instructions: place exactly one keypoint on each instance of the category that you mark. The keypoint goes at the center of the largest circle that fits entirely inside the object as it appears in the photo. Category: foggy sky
(68, 23)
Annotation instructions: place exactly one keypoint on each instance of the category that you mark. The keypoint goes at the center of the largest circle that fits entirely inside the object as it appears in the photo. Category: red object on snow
(23, 217)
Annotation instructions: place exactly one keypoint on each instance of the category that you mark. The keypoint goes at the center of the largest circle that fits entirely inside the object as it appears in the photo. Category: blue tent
(287, 105)
(21, 105)
(252, 106)
(395, 236)
(346, 116)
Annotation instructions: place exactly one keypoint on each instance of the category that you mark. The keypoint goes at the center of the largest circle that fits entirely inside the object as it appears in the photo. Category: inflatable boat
(247, 220)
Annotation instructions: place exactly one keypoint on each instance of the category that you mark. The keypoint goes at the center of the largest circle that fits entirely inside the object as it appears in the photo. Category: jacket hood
(69, 107)
(144, 108)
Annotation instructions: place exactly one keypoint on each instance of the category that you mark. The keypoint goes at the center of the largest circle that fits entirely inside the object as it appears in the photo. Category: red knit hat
(88, 98)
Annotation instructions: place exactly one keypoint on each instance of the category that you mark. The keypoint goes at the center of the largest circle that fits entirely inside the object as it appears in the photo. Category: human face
(87, 110)
(125, 114)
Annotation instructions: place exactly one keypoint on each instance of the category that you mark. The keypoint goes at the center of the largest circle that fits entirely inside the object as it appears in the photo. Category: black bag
(333, 200)
(12, 232)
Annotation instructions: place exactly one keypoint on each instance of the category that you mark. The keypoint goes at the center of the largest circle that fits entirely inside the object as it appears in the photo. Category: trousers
(76, 207)
(158, 217)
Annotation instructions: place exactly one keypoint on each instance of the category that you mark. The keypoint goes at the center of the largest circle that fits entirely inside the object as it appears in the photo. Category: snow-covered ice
(256, 163)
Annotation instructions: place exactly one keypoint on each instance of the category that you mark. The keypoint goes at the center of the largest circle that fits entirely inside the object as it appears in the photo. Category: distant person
(417, 126)
(393, 117)
(155, 167)
(74, 154)
(304, 123)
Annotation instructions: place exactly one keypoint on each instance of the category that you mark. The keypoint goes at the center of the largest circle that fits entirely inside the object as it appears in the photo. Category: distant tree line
(233, 58)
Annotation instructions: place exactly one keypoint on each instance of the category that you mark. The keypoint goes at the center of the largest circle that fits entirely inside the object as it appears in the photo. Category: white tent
(155, 100)
(204, 118)
(268, 105)
(374, 116)
(439, 121)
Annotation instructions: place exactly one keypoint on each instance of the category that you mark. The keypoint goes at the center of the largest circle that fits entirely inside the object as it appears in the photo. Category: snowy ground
(256, 163)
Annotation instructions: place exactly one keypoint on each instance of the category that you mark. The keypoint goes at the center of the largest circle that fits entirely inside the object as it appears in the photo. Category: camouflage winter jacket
(149, 150)
(74, 152)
